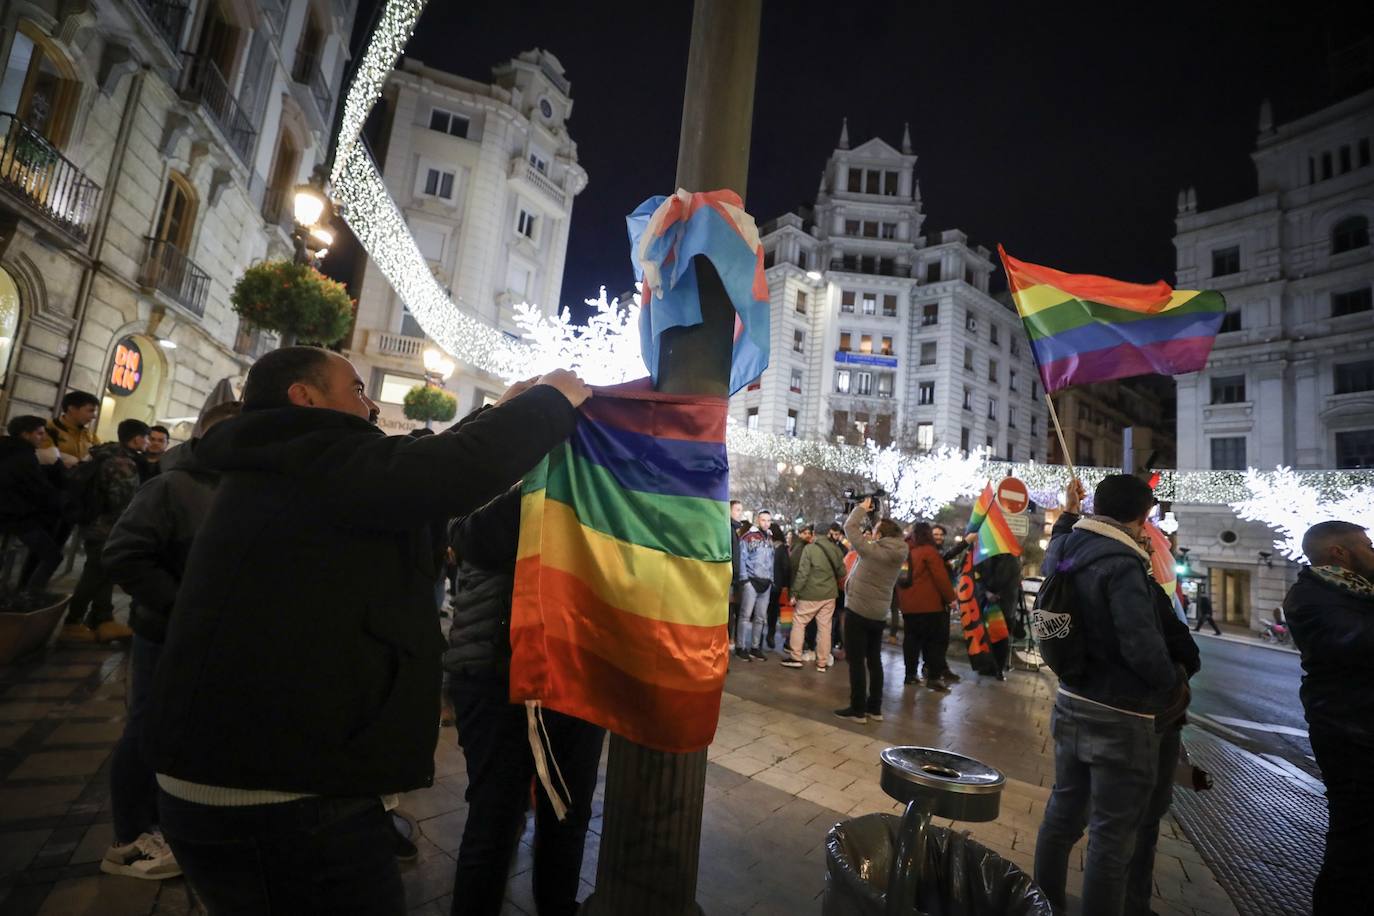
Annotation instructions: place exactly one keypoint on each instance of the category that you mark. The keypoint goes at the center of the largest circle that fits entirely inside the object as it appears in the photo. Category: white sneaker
(808, 656)
(147, 857)
(732, 645)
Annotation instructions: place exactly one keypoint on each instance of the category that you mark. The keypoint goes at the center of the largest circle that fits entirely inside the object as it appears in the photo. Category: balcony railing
(383, 343)
(308, 72)
(169, 17)
(207, 85)
(33, 169)
(521, 169)
(171, 273)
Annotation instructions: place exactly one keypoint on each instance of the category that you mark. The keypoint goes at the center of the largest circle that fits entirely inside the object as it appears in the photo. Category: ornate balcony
(44, 182)
(205, 84)
(523, 173)
(307, 72)
(168, 271)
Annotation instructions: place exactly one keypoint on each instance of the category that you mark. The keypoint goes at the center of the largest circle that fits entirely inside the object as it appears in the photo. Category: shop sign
(127, 369)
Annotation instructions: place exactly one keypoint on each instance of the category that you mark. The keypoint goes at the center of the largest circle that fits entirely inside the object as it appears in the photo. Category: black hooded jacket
(1333, 627)
(485, 543)
(304, 655)
(30, 494)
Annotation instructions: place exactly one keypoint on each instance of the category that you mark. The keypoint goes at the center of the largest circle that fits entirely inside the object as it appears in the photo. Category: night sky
(1065, 135)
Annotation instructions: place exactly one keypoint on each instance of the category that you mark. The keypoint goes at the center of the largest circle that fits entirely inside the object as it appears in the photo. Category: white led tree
(1290, 504)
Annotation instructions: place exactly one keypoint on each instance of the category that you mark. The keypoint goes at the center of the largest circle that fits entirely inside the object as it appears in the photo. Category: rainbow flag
(666, 234)
(1162, 566)
(622, 578)
(995, 535)
(980, 509)
(1084, 328)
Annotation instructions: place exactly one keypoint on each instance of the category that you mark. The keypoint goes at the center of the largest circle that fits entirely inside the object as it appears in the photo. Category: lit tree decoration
(1290, 504)
(920, 485)
(604, 352)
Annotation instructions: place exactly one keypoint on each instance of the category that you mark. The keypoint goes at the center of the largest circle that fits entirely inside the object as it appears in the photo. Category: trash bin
(882, 865)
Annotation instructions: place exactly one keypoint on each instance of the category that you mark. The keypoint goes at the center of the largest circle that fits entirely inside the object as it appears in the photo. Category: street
(1249, 695)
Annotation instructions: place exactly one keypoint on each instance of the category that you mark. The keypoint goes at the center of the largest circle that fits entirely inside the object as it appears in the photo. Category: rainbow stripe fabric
(622, 577)
(995, 536)
(666, 234)
(980, 509)
(1084, 328)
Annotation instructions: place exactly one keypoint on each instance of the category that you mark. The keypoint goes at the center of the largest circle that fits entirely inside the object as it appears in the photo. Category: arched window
(38, 86)
(1349, 234)
(177, 216)
(9, 323)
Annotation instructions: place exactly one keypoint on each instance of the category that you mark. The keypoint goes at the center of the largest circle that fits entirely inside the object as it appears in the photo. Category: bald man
(1330, 610)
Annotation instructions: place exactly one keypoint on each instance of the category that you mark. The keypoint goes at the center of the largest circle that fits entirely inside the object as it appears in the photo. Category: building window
(40, 88)
(769, 259)
(844, 341)
(863, 383)
(887, 346)
(446, 122)
(797, 338)
(889, 306)
(992, 408)
(992, 335)
(177, 216)
(1014, 345)
(847, 301)
(1230, 322)
(884, 384)
(790, 428)
(1351, 301)
(968, 398)
(1364, 152)
(439, 183)
(855, 184)
(970, 322)
(1349, 234)
(991, 443)
(541, 164)
(1355, 449)
(992, 371)
(1035, 391)
(751, 418)
(968, 359)
(1011, 417)
(1228, 453)
(1035, 422)
(925, 393)
(852, 227)
(865, 343)
(526, 224)
(1228, 389)
(963, 438)
(968, 276)
(1011, 379)
(391, 389)
(801, 302)
(870, 304)
(840, 425)
(1226, 261)
(933, 272)
(930, 314)
(928, 351)
(1083, 453)
(1352, 377)
(842, 381)
(796, 383)
(887, 230)
(925, 436)
(1326, 166)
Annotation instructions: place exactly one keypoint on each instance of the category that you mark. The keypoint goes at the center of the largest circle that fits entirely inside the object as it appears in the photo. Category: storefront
(135, 376)
(9, 327)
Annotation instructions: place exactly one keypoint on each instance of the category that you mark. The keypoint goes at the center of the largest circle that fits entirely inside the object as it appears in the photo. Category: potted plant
(27, 619)
(295, 300)
(428, 403)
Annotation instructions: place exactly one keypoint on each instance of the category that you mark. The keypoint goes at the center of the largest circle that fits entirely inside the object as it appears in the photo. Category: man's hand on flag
(568, 385)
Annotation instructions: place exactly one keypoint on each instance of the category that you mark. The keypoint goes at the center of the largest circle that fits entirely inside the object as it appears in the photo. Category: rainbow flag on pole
(1084, 328)
(980, 509)
(995, 535)
(622, 578)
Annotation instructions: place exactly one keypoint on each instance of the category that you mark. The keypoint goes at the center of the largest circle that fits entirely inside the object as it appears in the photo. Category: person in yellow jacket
(71, 429)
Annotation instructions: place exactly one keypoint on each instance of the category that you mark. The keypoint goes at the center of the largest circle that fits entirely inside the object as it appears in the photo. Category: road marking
(1216, 726)
(1297, 773)
(1263, 726)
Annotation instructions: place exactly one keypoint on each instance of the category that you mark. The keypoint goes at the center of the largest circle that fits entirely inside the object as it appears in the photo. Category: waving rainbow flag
(995, 535)
(622, 578)
(980, 509)
(1084, 328)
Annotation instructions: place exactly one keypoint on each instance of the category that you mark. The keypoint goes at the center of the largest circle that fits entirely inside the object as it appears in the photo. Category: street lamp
(310, 209)
(438, 367)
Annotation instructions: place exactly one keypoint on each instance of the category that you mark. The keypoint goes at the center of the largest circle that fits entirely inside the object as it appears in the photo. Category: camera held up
(852, 499)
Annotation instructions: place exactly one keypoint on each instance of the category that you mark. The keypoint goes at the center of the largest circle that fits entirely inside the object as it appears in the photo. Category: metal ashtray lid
(932, 768)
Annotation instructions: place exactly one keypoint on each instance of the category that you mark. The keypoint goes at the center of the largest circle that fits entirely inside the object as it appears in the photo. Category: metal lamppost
(312, 234)
(438, 367)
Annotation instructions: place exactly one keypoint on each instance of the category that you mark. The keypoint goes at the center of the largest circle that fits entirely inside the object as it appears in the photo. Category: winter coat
(146, 551)
(868, 590)
(75, 442)
(30, 494)
(930, 591)
(118, 473)
(782, 567)
(756, 555)
(1128, 660)
(304, 654)
(818, 572)
(1333, 627)
(485, 542)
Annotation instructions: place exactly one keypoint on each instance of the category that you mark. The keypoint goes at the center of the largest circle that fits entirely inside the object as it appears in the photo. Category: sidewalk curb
(1250, 641)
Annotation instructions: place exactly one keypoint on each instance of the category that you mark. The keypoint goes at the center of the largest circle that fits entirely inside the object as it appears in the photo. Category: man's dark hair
(23, 425)
(1321, 537)
(275, 372)
(837, 527)
(131, 429)
(887, 528)
(808, 527)
(158, 428)
(1123, 497)
(921, 536)
(79, 399)
(938, 527)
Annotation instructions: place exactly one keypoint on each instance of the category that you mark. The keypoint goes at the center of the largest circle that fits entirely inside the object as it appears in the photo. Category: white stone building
(1291, 378)
(485, 174)
(880, 332)
(147, 152)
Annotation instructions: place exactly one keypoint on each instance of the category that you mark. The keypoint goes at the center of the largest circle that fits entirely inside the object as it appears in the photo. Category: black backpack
(1058, 626)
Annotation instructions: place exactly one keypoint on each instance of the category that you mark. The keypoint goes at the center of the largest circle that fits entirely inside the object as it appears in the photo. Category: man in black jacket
(31, 499)
(299, 683)
(1330, 610)
(1108, 719)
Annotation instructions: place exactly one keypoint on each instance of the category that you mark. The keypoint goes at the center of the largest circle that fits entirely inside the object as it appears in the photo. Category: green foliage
(426, 403)
(295, 300)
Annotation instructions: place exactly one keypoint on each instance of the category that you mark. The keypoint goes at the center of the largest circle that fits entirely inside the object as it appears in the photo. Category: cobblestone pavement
(783, 770)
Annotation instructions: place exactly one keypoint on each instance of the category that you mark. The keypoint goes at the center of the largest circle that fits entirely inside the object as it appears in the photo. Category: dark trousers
(1207, 619)
(322, 855)
(809, 635)
(925, 636)
(43, 559)
(774, 610)
(1105, 768)
(1344, 764)
(133, 785)
(494, 736)
(93, 600)
(863, 640)
(1140, 877)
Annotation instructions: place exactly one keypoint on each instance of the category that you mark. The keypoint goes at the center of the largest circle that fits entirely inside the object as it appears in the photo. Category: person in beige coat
(868, 597)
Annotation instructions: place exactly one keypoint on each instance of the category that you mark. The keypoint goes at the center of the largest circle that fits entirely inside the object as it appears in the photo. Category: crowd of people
(286, 570)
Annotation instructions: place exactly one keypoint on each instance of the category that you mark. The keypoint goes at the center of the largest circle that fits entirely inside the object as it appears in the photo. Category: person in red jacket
(924, 600)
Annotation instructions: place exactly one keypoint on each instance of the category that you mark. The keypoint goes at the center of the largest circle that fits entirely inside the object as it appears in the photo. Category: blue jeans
(753, 609)
(1140, 880)
(133, 785)
(319, 855)
(1105, 767)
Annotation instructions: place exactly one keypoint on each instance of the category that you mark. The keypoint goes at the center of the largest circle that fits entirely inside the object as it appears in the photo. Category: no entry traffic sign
(1013, 496)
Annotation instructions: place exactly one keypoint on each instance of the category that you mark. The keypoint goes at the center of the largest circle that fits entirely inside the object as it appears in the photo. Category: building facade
(147, 156)
(1096, 419)
(1290, 380)
(882, 332)
(485, 174)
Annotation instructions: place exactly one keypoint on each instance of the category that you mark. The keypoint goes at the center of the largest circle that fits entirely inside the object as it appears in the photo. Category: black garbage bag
(962, 877)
